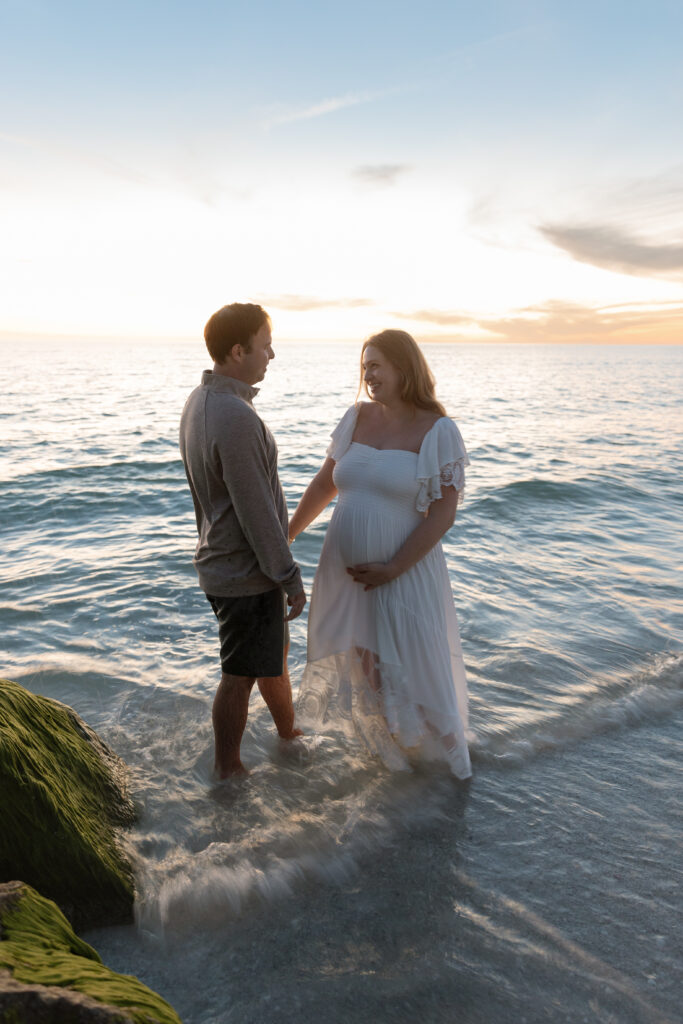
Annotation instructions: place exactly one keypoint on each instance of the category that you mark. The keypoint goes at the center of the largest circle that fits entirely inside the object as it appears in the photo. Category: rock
(50, 976)
(62, 794)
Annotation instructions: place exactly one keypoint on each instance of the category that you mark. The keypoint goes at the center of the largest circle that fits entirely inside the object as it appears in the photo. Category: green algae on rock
(62, 793)
(48, 974)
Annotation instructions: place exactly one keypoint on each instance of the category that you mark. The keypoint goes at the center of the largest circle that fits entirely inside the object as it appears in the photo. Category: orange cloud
(556, 321)
(305, 303)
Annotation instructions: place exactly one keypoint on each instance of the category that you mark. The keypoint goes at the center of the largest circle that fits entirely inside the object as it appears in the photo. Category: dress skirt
(384, 664)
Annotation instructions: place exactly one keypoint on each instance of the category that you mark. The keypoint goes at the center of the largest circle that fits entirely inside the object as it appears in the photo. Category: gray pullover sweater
(230, 460)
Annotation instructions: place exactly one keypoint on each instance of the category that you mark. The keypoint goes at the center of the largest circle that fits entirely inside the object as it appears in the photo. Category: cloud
(630, 226)
(557, 321)
(380, 174)
(431, 70)
(306, 303)
(612, 248)
(442, 318)
(655, 201)
(329, 106)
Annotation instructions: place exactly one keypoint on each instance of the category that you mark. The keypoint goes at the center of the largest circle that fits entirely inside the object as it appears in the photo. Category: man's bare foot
(237, 771)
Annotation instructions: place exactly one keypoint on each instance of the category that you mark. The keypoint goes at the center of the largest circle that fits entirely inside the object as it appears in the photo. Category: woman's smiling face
(382, 379)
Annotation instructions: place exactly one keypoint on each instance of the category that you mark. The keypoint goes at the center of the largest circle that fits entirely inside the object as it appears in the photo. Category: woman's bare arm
(440, 518)
(315, 498)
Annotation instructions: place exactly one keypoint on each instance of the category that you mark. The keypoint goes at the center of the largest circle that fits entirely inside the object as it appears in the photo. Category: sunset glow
(507, 174)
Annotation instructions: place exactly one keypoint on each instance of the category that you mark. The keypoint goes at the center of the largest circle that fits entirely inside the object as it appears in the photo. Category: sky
(485, 171)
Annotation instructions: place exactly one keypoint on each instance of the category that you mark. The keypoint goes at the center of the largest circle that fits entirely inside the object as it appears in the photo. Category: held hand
(296, 603)
(373, 574)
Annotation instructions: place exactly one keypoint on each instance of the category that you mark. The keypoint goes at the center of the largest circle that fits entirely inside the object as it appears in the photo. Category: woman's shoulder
(351, 416)
(430, 419)
(443, 439)
(442, 427)
(446, 425)
(367, 416)
(365, 411)
(343, 432)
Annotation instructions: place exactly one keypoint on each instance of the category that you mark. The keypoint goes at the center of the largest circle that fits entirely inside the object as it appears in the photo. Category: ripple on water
(382, 893)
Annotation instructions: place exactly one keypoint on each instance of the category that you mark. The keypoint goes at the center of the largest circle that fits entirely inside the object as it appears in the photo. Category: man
(242, 556)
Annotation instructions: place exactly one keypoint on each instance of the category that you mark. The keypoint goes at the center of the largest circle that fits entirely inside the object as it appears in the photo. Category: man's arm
(246, 474)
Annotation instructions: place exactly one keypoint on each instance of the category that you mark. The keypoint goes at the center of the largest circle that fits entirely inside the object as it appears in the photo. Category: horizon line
(56, 336)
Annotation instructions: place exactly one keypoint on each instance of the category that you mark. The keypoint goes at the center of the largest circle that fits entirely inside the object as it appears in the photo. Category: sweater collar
(219, 382)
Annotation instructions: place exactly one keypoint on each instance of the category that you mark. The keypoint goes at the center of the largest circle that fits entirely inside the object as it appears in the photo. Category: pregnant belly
(359, 534)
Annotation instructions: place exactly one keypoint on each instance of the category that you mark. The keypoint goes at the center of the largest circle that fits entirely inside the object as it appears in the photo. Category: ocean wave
(324, 841)
(653, 693)
(507, 499)
(134, 468)
(116, 500)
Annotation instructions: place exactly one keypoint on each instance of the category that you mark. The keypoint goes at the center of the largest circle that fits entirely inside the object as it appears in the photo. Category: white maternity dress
(386, 664)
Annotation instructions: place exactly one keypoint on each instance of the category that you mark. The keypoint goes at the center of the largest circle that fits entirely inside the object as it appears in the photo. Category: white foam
(325, 843)
(655, 692)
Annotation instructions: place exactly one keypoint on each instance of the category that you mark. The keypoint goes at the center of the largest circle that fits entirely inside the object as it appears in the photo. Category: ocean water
(325, 887)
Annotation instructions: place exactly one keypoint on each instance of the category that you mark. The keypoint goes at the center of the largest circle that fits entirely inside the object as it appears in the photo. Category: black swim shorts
(253, 633)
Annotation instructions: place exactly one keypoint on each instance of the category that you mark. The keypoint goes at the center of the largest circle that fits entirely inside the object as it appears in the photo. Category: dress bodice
(379, 479)
(441, 460)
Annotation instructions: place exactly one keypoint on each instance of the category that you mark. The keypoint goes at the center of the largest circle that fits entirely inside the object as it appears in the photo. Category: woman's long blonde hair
(403, 352)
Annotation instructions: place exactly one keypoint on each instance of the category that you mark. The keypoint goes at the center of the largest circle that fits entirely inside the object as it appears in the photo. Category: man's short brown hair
(235, 324)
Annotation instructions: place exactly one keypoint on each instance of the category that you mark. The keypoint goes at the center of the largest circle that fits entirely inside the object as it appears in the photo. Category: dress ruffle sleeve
(441, 463)
(342, 434)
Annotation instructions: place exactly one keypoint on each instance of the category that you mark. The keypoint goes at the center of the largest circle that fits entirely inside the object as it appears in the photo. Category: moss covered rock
(48, 975)
(62, 794)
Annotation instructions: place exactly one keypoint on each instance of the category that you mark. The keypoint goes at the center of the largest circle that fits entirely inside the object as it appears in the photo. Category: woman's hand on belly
(373, 574)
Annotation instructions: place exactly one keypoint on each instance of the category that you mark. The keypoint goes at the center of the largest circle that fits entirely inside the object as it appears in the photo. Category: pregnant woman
(384, 656)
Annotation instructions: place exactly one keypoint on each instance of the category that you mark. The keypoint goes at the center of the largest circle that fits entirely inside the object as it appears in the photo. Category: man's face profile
(255, 362)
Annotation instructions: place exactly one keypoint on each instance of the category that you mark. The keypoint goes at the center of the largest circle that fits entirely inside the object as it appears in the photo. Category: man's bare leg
(277, 693)
(229, 715)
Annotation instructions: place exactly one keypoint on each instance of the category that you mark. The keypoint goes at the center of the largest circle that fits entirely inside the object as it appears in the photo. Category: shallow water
(325, 885)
